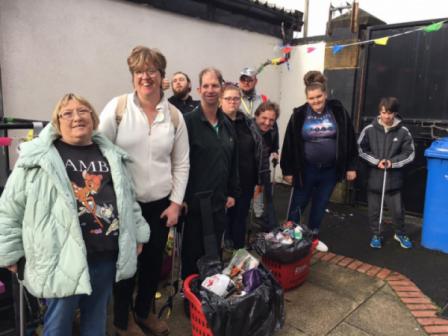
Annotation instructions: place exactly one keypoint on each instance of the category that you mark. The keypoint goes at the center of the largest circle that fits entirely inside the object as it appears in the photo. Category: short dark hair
(390, 104)
(268, 106)
(217, 73)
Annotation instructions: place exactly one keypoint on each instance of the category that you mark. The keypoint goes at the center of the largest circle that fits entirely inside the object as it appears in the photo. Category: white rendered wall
(51, 47)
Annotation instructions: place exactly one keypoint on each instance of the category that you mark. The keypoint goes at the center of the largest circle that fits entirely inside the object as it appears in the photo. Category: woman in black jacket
(253, 167)
(319, 149)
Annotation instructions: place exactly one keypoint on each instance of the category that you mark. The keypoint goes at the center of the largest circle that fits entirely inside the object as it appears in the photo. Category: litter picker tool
(173, 285)
(210, 243)
(20, 276)
(383, 192)
(274, 166)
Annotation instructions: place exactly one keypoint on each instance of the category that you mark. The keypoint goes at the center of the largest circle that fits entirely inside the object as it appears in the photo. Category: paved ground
(337, 300)
(345, 230)
(356, 291)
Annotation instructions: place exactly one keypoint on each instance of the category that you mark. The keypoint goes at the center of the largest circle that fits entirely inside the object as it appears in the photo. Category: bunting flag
(381, 41)
(433, 27)
(337, 48)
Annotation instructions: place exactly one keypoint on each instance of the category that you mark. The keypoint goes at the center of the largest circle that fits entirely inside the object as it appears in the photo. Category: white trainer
(321, 247)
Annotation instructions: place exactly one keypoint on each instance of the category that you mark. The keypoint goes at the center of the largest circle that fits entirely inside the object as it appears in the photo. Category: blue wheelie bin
(435, 215)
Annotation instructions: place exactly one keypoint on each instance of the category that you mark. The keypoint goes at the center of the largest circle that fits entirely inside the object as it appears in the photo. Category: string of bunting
(382, 41)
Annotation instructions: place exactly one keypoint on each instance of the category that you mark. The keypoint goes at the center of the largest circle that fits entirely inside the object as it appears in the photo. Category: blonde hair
(230, 87)
(63, 102)
(141, 56)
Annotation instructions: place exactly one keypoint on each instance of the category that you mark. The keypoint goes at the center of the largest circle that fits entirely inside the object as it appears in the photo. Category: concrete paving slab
(290, 331)
(348, 283)
(315, 309)
(345, 329)
(179, 323)
(384, 314)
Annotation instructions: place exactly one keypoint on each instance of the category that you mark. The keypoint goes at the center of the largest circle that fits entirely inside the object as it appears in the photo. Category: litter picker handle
(383, 192)
(20, 275)
(210, 243)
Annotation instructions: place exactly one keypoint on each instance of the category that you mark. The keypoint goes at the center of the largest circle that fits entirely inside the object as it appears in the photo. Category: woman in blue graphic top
(319, 149)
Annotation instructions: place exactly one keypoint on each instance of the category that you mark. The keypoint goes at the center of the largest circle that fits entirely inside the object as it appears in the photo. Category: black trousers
(237, 219)
(193, 242)
(148, 269)
(394, 203)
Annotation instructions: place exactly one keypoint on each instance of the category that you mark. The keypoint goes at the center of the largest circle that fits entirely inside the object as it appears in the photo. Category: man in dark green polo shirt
(213, 169)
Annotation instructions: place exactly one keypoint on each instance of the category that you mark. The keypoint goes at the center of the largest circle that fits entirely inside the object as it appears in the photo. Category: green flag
(434, 27)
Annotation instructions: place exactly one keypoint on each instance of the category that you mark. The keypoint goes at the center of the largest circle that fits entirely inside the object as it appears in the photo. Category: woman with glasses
(252, 168)
(68, 212)
(153, 133)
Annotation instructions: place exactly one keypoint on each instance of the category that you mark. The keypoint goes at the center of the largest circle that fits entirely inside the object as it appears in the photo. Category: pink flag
(310, 49)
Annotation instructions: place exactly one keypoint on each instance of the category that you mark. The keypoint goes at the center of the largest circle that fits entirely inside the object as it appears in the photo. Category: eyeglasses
(149, 72)
(229, 99)
(70, 114)
(246, 79)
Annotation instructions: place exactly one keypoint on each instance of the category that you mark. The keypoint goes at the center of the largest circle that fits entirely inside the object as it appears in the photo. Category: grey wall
(51, 47)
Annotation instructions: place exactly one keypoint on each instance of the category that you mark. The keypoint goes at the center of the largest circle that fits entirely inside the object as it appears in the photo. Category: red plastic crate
(199, 326)
(290, 275)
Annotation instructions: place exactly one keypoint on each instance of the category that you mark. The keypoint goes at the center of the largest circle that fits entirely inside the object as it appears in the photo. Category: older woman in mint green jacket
(68, 208)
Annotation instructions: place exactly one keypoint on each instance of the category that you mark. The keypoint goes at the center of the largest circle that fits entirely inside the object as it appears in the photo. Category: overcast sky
(390, 11)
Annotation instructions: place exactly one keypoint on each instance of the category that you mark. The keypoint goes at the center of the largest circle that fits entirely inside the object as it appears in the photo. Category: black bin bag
(281, 253)
(258, 313)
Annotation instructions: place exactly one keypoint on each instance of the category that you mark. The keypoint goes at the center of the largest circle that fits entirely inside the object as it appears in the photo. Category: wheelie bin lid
(438, 149)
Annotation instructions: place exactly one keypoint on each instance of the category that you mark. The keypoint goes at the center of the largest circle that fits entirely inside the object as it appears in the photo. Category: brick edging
(420, 306)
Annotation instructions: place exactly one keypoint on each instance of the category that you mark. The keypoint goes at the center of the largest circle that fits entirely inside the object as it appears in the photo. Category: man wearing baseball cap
(250, 100)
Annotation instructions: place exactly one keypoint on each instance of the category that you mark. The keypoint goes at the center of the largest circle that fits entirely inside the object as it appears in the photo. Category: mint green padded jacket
(39, 219)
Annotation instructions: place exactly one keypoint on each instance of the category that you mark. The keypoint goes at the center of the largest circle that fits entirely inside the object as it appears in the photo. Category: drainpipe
(305, 18)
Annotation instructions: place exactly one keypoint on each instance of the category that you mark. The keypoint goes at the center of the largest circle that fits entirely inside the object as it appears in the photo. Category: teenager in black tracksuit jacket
(393, 143)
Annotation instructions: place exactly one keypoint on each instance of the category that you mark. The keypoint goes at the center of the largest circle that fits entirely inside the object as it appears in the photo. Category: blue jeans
(58, 318)
(318, 184)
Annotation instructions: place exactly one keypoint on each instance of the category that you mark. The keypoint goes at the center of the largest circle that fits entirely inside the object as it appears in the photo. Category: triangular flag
(310, 49)
(382, 41)
(433, 27)
(337, 48)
